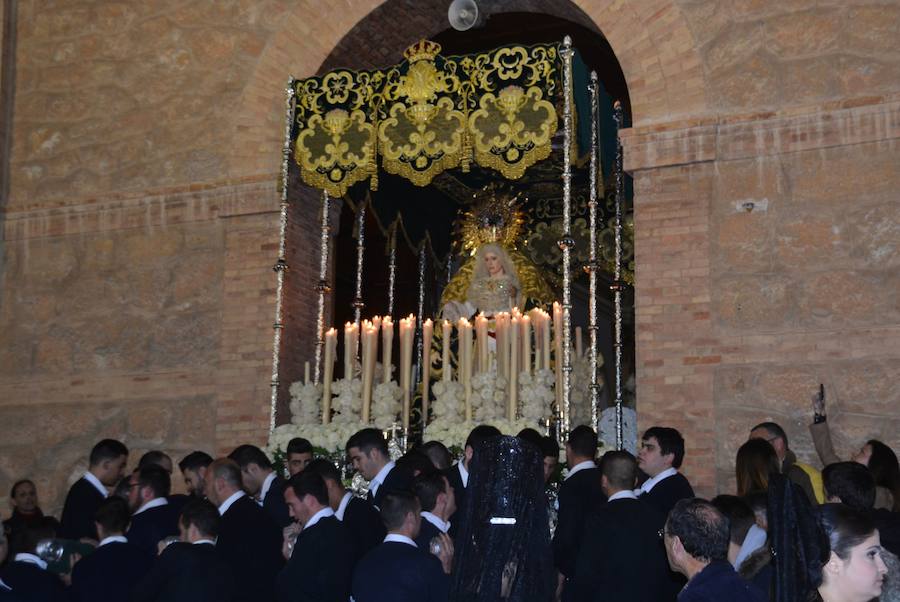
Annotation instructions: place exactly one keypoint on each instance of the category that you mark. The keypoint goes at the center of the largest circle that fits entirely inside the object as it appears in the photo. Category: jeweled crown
(423, 50)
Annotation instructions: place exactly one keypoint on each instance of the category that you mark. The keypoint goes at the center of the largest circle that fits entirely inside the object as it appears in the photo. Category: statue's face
(493, 264)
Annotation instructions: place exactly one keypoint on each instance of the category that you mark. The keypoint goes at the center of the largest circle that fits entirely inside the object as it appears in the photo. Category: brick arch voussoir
(651, 39)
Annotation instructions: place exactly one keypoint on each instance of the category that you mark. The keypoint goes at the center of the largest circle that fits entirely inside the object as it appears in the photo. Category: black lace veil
(503, 549)
(799, 545)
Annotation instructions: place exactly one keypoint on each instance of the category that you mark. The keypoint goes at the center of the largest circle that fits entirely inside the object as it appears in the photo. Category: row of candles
(515, 351)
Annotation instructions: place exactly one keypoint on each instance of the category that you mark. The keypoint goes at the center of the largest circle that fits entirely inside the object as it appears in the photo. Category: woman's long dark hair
(885, 469)
(756, 462)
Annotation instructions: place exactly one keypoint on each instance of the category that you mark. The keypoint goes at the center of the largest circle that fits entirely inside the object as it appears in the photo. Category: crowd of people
(481, 529)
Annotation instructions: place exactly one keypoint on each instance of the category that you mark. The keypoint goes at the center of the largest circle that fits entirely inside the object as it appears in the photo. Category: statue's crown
(423, 50)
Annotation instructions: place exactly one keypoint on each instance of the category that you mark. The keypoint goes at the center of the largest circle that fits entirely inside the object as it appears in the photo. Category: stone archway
(663, 71)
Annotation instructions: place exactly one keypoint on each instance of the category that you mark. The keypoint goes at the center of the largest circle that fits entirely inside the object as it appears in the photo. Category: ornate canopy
(428, 114)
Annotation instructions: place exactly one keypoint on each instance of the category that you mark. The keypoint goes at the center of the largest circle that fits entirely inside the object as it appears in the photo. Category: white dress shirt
(154, 503)
(211, 542)
(654, 481)
(326, 511)
(267, 484)
(442, 525)
(231, 499)
(90, 478)
(754, 540)
(378, 479)
(625, 494)
(31, 559)
(463, 473)
(400, 539)
(112, 539)
(342, 507)
(581, 466)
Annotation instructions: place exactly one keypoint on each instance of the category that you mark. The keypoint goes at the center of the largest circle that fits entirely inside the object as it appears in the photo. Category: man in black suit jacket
(579, 494)
(622, 557)
(27, 575)
(438, 503)
(112, 570)
(260, 481)
(360, 517)
(156, 457)
(154, 517)
(190, 570)
(321, 558)
(368, 452)
(660, 456)
(106, 466)
(249, 540)
(458, 474)
(397, 570)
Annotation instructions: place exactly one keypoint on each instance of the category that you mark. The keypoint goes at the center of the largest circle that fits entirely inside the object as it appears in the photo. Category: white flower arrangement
(306, 403)
(347, 403)
(488, 396)
(448, 401)
(454, 434)
(386, 404)
(536, 394)
(607, 434)
(580, 402)
(329, 437)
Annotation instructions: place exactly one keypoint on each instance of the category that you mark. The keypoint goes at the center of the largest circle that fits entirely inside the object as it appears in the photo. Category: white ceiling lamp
(464, 15)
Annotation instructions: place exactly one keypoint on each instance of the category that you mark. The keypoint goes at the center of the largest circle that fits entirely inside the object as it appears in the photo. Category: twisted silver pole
(592, 265)
(358, 302)
(566, 242)
(281, 265)
(322, 287)
(392, 270)
(618, 285)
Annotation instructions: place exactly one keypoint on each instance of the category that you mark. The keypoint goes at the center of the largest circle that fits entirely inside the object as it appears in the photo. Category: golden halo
(491, 220)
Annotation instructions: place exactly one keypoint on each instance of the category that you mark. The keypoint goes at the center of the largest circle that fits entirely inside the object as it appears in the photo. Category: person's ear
(834, 564)
(669, 458)
(604, 482)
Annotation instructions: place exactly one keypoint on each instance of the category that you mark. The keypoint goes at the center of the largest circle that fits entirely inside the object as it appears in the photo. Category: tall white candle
(369, 349)
(464, 365)
(526, 344)
(407, 329)
(446, 368)
(328, 373)
(513, 368)
(427, 333)
(349, 351)
(387, 346)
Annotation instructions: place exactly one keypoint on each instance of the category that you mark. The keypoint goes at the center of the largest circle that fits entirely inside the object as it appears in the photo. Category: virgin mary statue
(496, 277)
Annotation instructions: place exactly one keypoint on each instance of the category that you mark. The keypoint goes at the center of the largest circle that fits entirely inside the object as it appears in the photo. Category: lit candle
(387, 346)
(545, 340)
(557, 348)
(349, 350)
(328, 373)
(427, 333)
(407, 329)
(513, 368)
(526, 344)
(446, 368)
(368, 365)
(465, 366)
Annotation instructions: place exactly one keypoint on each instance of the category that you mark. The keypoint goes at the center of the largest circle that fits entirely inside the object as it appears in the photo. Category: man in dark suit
(27, 575)
(368, 452)
(154, 518)
(299, 455)
(156, 457)
(193, 469)
(260, 481)
(249, 540)
(106, 466)
(579, 494)
(361, 518)
(696, 541)
(114, 568)
(397, 570)
(321, 558)
(190, 570)
(458, 475)
(437, 502)
(660, 456)
(621, 555)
